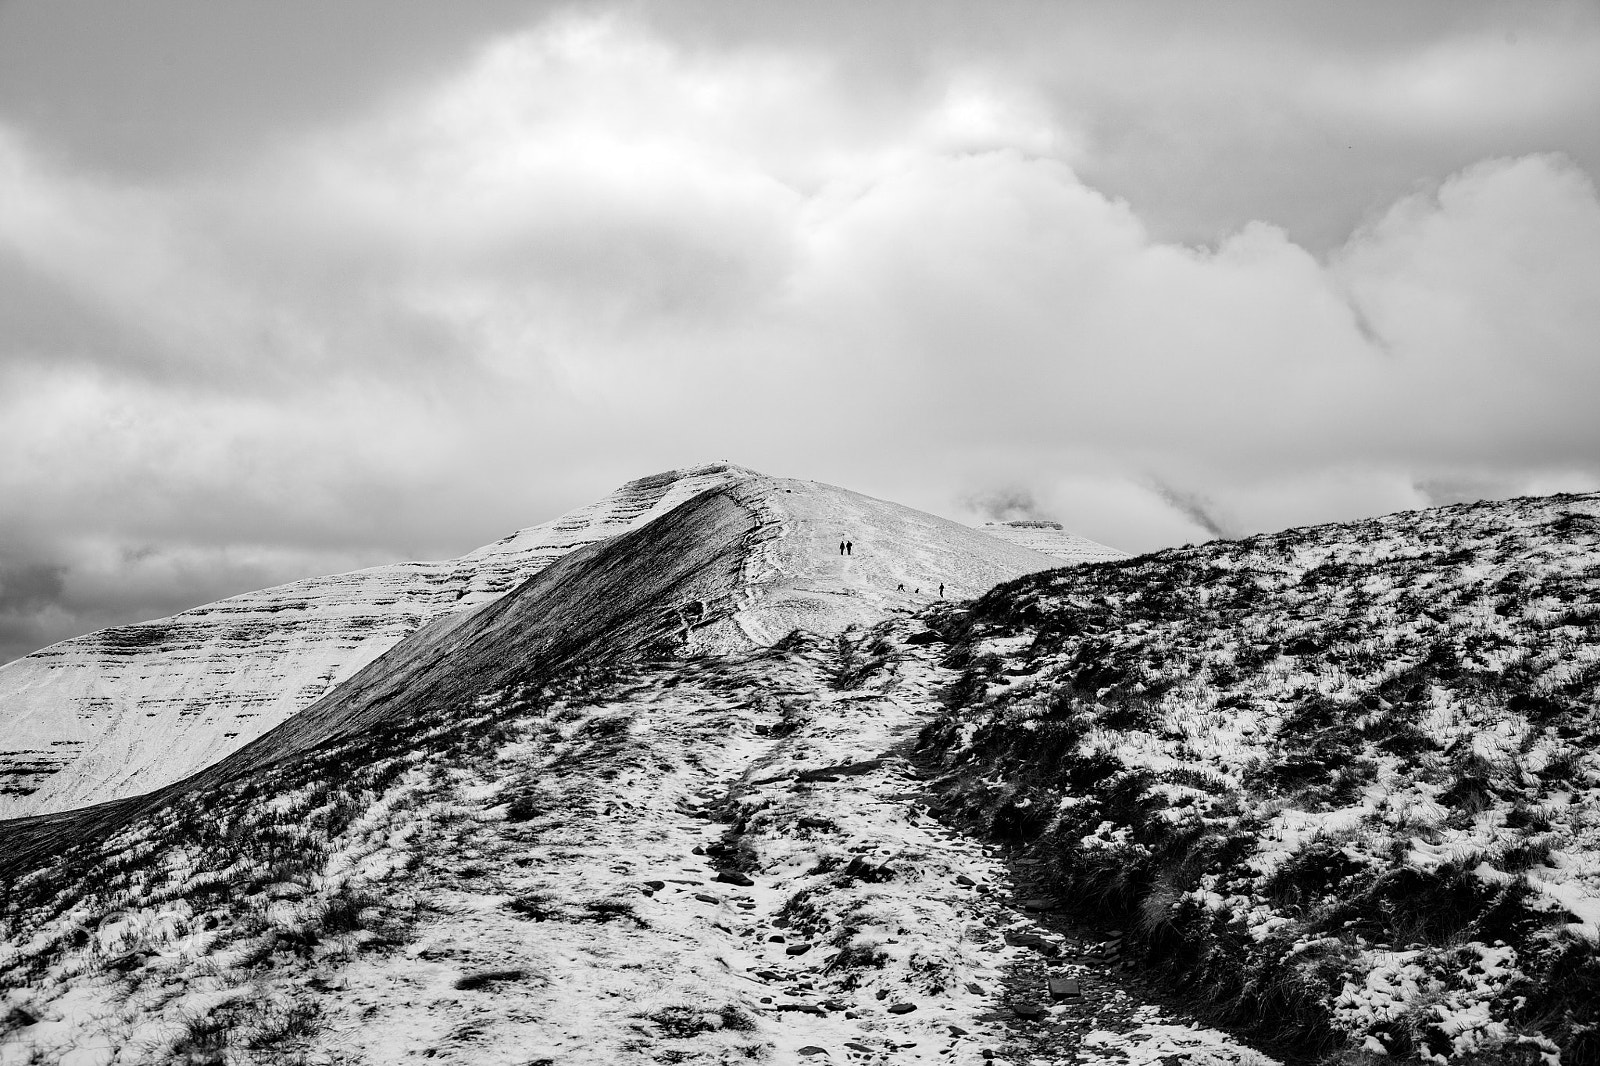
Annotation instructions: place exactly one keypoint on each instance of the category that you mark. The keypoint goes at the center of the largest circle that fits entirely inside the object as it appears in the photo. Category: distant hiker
(849, 548)
(841, 547)
(941, 590)
(902, 587)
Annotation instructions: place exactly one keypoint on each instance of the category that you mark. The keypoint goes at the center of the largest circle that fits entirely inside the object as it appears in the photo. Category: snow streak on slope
(1049, 538)
(129, 709)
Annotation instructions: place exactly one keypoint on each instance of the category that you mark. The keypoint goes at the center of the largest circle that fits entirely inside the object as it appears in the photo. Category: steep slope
(1049, 538)
(1344, 779)
(130, 709)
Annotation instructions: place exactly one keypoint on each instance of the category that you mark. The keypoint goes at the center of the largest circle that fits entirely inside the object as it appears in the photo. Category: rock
(706, 897)
(733, 877)
(800, 1008)
(1030, 1011)
(956, 1030)
(797, 949)
(1042, 903)
(853, 1046)
(776, 938)
(1064, 987)
(769, 975)
(1032, 940)
(655, 886)
(963, 879)
(974, 988)
(902, 1008)
(812, 1049)
(697, 850)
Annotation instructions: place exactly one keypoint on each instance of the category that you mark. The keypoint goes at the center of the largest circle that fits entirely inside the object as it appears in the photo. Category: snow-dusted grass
(1343, 778)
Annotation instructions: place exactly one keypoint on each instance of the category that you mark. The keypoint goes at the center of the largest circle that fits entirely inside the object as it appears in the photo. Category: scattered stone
(1030, 1011)
(697, 850)
(1032, 940)
(963, 879)
(1042, 903)
(902, 1008)
(812, 1049)
(769, 975)
(974, 988)
(800, 1008)
(483, 979)
(1064, 987)
(797, 949)
(655, 886)
(706, 897)
(733, 877)
(853, 1046)
(776, 938)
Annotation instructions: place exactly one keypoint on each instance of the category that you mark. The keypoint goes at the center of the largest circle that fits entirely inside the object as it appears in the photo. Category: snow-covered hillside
(1050, 539)
(1342, 779)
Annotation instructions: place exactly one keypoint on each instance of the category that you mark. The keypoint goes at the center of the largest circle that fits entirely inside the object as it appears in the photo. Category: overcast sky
(290, 288)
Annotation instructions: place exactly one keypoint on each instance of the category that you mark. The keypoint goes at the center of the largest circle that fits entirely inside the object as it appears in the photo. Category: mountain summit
(133, 708)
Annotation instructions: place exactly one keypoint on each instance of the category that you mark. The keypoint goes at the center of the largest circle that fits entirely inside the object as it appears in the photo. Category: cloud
(595, 251)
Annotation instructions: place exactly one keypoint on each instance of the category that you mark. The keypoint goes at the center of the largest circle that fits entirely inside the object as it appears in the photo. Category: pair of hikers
(846, 548)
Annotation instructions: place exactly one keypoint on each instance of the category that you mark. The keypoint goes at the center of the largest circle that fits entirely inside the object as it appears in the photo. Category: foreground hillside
(1343, 781)
(713, 858)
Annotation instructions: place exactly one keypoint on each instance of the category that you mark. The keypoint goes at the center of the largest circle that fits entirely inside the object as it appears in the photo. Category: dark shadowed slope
(136, 707)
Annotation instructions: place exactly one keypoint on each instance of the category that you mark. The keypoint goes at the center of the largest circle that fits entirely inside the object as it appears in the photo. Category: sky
(294, 288)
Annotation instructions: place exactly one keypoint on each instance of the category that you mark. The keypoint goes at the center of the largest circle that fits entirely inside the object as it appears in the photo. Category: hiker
(841, 547)
(902, 587)
(941, 590)
(849, 548)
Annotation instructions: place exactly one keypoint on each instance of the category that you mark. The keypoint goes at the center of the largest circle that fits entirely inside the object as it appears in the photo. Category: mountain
(1048, 538)
(654, 803)
(130, 709)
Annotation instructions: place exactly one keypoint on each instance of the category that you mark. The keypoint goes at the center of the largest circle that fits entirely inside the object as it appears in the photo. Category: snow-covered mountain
(669, 799)
(130, 709)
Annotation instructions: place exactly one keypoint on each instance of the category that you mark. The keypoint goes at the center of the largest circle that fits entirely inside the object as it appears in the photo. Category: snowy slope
(129, 709)
(1050, 539)
(1357, 761)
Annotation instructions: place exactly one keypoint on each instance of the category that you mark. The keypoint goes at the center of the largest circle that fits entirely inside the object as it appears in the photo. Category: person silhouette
(849, 548)
(902, 587)
(841, 547)
(941, 590)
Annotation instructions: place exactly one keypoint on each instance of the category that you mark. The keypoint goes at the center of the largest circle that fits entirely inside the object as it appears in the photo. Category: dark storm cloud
(459, 278)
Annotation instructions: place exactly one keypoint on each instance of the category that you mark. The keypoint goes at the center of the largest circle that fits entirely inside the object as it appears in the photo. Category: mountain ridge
(133, 708)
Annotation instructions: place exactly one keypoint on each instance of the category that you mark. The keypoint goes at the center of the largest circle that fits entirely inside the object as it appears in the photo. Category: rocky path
(722, 862)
